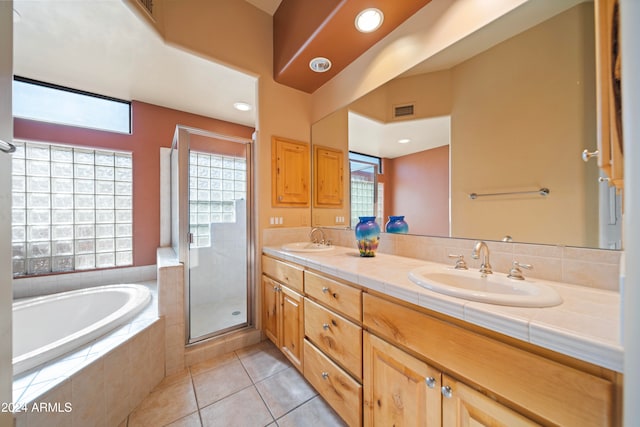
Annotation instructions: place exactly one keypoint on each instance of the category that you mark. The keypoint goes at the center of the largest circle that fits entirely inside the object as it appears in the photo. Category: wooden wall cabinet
(290, 171)
(328, 177)
(608, 95)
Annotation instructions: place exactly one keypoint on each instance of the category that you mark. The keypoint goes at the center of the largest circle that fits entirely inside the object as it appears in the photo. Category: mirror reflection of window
(366, 192)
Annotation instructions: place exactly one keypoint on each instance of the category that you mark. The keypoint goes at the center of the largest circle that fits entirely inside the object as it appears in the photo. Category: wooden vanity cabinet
(522, 385)
(333, 344)
(283, 308)
(464, 406)
(379, 362)
(399, 389)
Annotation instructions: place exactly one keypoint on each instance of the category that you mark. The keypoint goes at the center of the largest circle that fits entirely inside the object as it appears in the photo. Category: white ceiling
(368, 136)
(105, 48)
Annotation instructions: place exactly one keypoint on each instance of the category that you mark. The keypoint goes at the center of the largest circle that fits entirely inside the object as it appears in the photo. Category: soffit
(303, 30)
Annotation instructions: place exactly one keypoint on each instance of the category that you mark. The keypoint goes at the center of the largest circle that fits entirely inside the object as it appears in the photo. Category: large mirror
(495, 142)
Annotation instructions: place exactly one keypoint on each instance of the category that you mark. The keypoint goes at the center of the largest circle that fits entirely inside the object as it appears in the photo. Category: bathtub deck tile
(34, 384)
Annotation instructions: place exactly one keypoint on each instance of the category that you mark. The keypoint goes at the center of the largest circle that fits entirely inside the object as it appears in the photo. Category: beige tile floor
(255, 386)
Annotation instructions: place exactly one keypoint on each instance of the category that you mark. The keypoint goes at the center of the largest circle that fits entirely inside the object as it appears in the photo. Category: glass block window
(366, 193)
(72, 208)
(215, 182)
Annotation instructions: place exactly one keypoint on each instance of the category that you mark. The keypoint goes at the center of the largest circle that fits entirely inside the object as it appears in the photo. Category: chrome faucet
(313, 239)
(481, 249)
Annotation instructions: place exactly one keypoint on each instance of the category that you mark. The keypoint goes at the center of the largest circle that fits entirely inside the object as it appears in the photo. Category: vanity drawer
(340, 297)
(283, 272)
(342, 392)
(336, 336)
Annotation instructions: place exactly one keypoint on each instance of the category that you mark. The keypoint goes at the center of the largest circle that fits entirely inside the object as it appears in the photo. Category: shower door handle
(190, 238)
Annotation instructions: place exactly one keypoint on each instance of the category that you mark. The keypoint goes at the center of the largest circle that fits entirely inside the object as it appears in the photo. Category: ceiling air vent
(148, 5)
(402, 111)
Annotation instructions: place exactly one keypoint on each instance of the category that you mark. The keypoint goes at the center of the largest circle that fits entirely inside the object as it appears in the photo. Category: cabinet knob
(325, 375)
(325, 326)
(446, 391)
(325, 290)
(276, 289)
(586, 155)
(431, 382)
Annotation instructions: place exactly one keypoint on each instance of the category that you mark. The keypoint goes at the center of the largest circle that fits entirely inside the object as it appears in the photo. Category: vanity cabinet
(333, 344)
(464, 406)
(399, 389)
(290, 170)
(283, 308)
(379, 361)
(537, 387)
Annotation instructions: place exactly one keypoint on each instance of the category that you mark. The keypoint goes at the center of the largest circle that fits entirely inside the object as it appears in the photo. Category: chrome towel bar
(542, 192)
(7, 147)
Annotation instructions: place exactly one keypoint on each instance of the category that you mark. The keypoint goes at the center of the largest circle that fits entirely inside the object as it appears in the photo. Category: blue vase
(368, 236)
(397, 224)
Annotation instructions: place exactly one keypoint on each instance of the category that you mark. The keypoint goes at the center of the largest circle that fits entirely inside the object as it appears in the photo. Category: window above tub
(72, 208)
(45, 102)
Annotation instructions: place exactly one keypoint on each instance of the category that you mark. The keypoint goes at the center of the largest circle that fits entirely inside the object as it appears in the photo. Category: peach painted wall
(153, 127)
(417, 186)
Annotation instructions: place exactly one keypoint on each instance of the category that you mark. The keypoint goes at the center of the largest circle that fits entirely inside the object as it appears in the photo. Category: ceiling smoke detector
(320, 64)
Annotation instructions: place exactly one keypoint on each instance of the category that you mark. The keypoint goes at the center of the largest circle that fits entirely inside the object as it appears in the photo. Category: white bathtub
(50, 326)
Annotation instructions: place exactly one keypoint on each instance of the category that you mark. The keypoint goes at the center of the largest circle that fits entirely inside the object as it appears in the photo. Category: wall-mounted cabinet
(328, 177)
(290, 171)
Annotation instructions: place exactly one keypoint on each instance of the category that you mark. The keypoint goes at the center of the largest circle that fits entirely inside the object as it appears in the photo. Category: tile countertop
(585, 326)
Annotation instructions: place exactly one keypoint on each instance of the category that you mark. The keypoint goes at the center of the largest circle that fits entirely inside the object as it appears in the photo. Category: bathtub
(50, 326)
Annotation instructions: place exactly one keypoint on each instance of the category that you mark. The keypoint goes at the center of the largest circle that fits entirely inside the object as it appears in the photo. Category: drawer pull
(446, 391)
(325, 290)
(325, 375)
(431, 382)
(325, 326)
(277, 289)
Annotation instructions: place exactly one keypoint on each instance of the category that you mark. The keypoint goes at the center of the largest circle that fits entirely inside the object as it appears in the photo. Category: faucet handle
(461, 264)
(515, 272)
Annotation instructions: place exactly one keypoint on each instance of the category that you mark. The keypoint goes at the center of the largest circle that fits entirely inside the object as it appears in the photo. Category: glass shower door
(217, 240)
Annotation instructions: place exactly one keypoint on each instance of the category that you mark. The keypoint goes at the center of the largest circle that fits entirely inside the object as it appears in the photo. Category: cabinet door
(292, 321)
(270, 291)
(328, 177)
(290, 171)
(608, 90)
(399, 389)
(464, 406)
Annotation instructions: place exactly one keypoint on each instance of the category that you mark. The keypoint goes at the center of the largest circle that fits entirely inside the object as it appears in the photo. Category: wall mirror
(507, 123)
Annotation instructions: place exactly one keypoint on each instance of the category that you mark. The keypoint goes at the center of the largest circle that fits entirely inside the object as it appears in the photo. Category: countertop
(585, 326)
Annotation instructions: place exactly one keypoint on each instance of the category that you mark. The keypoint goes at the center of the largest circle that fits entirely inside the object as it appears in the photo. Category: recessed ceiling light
(320, 64)
(404, 141)
(369, 20)
(242, 106)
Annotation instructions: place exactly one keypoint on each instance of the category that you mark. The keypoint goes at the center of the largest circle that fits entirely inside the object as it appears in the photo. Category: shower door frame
(181, 244)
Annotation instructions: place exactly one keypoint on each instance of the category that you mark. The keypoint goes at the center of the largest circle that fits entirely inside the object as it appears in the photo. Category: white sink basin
(306, 247)
(494, 288)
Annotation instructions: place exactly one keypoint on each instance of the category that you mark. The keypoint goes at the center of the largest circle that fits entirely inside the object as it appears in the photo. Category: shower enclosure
(211, 229)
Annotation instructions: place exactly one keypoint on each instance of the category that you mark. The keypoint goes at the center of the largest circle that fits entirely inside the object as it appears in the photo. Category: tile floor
(255, 386)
